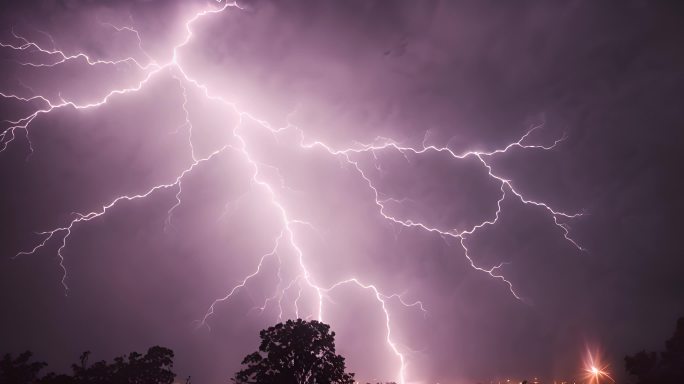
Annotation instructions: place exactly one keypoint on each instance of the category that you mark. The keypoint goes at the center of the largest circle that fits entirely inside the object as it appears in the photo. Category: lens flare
(595, 371)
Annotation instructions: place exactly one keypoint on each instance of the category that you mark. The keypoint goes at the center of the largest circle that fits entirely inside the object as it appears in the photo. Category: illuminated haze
(464, 191)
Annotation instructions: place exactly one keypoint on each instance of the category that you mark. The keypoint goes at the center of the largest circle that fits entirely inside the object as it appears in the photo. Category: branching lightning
(287, 239)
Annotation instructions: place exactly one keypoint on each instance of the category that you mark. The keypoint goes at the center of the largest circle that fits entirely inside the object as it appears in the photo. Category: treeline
(154, 367)
(308, 358)
(666, 367)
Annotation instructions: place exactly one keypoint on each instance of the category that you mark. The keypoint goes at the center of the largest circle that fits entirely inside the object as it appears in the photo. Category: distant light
(595, 371)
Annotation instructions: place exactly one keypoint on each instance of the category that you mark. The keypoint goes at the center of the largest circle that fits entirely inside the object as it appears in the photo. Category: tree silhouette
(152, 368)
(296, 352)
(666, 368)
(19, 370)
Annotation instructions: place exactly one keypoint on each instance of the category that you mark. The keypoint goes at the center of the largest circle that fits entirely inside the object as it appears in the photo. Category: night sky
(331, 140)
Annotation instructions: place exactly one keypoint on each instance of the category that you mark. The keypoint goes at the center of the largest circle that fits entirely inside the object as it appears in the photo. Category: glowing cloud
(287, 242)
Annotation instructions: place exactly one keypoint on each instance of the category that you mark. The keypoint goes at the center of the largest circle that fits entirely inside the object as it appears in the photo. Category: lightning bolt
(303, 279)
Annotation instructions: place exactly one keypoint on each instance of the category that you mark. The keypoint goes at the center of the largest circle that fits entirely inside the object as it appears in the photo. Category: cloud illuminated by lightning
(287, 238)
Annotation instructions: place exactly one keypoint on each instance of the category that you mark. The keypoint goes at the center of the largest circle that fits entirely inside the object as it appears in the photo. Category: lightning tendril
(303, 280)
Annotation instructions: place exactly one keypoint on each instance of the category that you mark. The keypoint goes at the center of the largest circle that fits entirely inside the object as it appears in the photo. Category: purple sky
(320, 129)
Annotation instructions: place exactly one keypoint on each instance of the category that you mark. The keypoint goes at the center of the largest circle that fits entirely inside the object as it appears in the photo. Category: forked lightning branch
(287, 241)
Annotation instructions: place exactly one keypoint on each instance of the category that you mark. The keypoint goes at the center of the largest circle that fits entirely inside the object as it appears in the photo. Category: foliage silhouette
(152, 368)
(666, 368)
(295, 352)
(19, 370)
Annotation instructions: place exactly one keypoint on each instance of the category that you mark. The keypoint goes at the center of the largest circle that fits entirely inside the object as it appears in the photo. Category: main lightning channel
(287, 237)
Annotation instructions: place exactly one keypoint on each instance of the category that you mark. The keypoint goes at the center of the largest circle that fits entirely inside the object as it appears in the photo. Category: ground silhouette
(664, 368)
(295, 352)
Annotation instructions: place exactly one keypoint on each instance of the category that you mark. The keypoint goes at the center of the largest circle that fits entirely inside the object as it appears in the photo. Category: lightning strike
(287, 238)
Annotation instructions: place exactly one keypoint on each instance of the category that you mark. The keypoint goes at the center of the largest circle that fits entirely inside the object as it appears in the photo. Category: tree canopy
(19, 370)
(154, 367)
(295, 352)
(664, 368)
